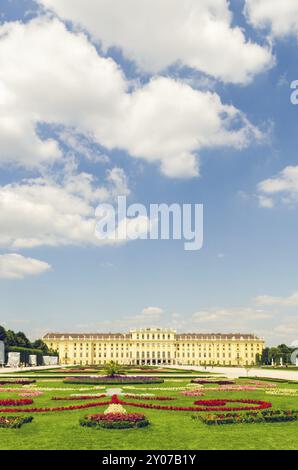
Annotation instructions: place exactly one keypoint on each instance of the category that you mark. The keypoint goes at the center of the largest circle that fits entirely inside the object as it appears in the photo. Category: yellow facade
(155, 347)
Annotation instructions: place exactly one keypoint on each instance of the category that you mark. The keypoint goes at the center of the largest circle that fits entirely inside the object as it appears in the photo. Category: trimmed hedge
(272, 416)
(26, 352)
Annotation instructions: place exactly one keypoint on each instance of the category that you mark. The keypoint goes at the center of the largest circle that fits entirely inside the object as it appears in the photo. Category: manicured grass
(174, 430)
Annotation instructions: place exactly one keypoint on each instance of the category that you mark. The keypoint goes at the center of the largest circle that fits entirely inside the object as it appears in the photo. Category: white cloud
(46, 211)
(265, 202)
(57, 77)
(283, 188)
(15, 266)
(118, 181)
(82, 146)
(290, 301)
(281, 17)
(241, 319)
(158, 33)
(152, 311)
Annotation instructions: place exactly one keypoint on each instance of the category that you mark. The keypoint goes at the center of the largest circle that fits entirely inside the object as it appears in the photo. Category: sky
(165, 102)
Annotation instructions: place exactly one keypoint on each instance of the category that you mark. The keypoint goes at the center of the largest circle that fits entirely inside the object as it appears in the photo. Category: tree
(10, 339)
(265, 356)
(2, 333)
(39, 344)
(22, 340)
(112, 368)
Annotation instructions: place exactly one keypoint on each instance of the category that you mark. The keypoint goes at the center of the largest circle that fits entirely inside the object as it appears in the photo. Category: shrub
(272, 416)
(14, 422)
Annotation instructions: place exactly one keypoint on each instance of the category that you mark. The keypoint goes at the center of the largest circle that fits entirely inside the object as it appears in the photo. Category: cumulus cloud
(158, 33)
(227, 320)
(290, 301)
(281, 188)
(56, 211)
(15, 266)
(218, 314)
(58, 77)
(281, 17)
(152, 311)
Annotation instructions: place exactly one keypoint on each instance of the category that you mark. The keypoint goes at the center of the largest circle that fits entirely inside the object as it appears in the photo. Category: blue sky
(245, 276)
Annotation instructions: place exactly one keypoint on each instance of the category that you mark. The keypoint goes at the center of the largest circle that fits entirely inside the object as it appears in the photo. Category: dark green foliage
(14, 422)
(271, 416)
(18, 342)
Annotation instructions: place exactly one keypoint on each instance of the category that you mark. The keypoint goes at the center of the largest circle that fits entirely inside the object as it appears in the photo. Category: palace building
(155, 346)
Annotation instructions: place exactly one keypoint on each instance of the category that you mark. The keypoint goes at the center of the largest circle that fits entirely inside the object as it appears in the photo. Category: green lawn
(169, 430)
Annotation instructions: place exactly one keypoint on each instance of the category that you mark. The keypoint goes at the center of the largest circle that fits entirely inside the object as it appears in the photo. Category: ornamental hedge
(272, 416)
(26, 352)
(117, 380)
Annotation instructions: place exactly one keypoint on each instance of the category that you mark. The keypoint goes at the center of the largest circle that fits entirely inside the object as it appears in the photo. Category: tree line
(12, 339)
(275, 354)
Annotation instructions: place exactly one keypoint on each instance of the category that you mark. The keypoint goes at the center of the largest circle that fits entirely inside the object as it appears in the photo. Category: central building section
(153, 346)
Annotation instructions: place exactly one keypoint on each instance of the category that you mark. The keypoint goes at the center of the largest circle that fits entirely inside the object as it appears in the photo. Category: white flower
(115, 409)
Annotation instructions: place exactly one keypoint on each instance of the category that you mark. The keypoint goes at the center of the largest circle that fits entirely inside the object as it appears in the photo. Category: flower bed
(10, 402)
(144, 397)
(258, 405)
(30, 394)
(211, 402)
(266, 379)
(219, 405)
(193, 393)
(283, 392)
(173, 389)
(214, 382)
(115, 420)
(14, 422)
(120, 379)
(232, 388)
(80, 397)
(262, 384)
(272, 416)
(56, 409)
(210, 405)
(17, 382)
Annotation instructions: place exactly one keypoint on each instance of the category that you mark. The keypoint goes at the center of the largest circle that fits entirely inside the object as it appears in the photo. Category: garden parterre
(62, 430)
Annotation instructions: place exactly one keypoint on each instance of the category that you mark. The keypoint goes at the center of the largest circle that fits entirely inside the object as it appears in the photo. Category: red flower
(83, 397)
(140, 397)
(16, 402)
